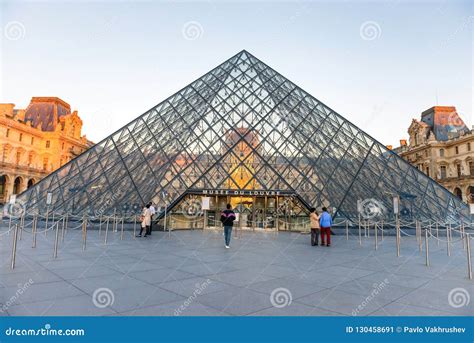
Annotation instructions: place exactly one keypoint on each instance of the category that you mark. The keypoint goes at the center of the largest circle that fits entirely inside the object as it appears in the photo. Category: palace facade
(36, 141)
(442, 147)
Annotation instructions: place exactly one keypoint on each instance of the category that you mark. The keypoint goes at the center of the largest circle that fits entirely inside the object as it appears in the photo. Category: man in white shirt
(152, 212)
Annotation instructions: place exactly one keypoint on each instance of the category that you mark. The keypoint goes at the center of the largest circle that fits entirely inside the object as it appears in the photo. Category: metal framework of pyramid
(294, 143)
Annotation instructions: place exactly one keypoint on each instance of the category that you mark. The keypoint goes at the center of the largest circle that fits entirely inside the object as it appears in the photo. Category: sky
(377, 63)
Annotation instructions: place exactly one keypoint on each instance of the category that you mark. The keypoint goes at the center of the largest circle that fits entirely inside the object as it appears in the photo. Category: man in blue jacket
(325, 221)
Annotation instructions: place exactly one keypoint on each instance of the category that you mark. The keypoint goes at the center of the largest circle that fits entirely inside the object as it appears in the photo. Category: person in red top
(227, 219)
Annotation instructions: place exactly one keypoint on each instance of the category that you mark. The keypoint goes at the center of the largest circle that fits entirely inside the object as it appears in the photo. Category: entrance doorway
(253, 212)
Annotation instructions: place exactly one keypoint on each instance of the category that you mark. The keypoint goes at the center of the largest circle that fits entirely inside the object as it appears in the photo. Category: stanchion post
(437, 233)
(448, 237)
(84, 232)
(56, 239)
(106, 231)
(427, 252)
(121, 233)
(134, 226)
(15, 239)
(347, 230)
(376, 236)
(34, 228)
(398, 236)
(420, 242)
(360, 233)
(22, 226)
(381, 228)
(100, 225)
(467, 237)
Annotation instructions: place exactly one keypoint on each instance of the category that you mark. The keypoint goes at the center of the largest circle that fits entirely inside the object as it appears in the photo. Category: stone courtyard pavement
(191, 273)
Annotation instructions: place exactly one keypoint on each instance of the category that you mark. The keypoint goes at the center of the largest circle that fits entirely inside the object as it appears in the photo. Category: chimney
(389, 147)
(403, 142)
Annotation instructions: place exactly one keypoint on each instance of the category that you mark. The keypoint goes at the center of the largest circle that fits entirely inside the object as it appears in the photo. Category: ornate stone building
(36, 141)
(442, 147)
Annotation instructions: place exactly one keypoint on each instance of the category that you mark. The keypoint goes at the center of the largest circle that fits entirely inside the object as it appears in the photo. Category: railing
(424, 231)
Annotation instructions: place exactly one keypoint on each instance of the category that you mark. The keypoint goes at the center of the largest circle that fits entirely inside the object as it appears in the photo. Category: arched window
(3, 187)
(457, 192)
(31, 182)
(17, 185)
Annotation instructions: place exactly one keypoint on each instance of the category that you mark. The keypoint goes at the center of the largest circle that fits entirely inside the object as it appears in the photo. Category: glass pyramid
(242, 126)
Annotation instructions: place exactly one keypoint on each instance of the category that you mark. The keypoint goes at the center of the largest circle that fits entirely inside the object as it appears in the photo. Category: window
(458, 169)
(32, 140)
(456, 149)
(471, 168)
(441, 152)
(48, 144)
(428, 171)
(21, 137)
(62, 146)
(8, 133)
(468, 146)
(442, 172)
(30, 160)
(45, 163)
(426, 153)
(18, 157)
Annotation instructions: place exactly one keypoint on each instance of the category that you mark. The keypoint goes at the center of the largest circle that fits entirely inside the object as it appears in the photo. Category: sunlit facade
(36, 141)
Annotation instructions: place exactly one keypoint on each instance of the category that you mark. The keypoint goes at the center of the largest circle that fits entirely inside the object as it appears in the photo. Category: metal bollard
(22, 226)
(62, 229)
(420, 242)
(56, 238)
(134, 227)
(100, 225)
(347, 230)
(381, 229)
(437, 232)
(34, 228)
(121, 233)
(462, 234)
(398, 239)
(10, 223)
(448, 237)
(360, 235)
(15, 239)
(467, 237)
(84, 233)
(106, 231)
(376, 236)
(427, 257)
(46, 222)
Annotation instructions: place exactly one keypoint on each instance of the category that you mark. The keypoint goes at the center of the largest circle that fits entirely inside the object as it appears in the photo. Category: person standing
(152, 214)
(315, 227)
(146, 220)
(227, 219)
(325, 222)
